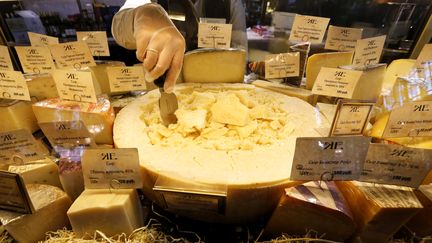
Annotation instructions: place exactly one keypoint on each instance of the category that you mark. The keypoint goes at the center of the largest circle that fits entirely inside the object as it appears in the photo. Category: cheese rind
(112, 212)
(300, 93)
(17, 115)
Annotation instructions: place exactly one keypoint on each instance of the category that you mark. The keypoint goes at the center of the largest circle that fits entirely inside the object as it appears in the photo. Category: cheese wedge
(421, 223)
(215, 66)
(71, 177)
(98, 117)
(17, 115)
(315, 206)
(51, 205)
(397, 68)
(369, 85)
(300, 93)
(328, 59)
(379, 210)
(100, 77)
(112, 212)
(41, 86)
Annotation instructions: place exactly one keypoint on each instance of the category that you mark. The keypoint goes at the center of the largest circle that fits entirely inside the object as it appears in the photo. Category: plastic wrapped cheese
(397, 69)
(41, 86)
(17, 115)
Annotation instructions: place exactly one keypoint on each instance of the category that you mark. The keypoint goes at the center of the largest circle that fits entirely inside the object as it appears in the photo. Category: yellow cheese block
(315, 206)
(112, 212)
(100, 77)
(51, 205)
(17, 115)
(379, 210)
(369, 85)
(329, 59)
(98, 117)
(397, 68)
(41, 86)
(300, 93)
(214, 66)
(421, 223)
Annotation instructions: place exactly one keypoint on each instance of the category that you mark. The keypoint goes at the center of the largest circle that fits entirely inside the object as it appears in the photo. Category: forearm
(122, 28)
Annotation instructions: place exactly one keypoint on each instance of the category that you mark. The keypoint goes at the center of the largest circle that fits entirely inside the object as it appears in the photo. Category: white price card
(72, 55)
(308, 29)
(213, 35)
(282, 65)
(41, 40)
(368, 51)
(35, 59)
(342, 39)
(97, 41)
(75, 85)
(5, 59)
(352, 117)
(13, 86)
(122, 79)
(19, 146)
(67, 134)
(336, 82)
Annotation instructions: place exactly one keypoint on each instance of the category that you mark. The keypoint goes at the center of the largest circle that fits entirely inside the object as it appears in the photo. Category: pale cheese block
(17, 115)
(397, 68)
(300, 93)
(71, 176)
(379, 210)
(252, 161)
(329, 60)
(38, 172)
(316, 206)
(98, 117)
(51, 205)
(41, 86)
(111, 211)
(100, 76)
(209, 65)
(328, 111)
(421, 223)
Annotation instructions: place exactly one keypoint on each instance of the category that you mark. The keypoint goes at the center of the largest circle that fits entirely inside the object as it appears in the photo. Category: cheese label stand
(396, 165)
(282, 65)
(329, 158)
(41, 40)
(214, 35)
(368, 51)
(111, 169)
(342, 39)
(13, 86)
(97, 42)
(19, 146)
(14, 195)
(308, 28)
(5, 60)
(413, 119)
(351, 118)
(336, 82)
(75, 86)
(35, 59)
(424, 61)
(72, 55)
(123, 79)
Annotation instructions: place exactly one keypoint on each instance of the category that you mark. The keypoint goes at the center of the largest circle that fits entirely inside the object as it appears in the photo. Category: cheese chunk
(312, 206)
(229, 110)
(100, 77)
(51, 205)
(41, 86)
(329, 59)
(215, 66)
(379, 210)
(71, 177)
(39, 172)
(421, 223)
(98, 117)
(397, 68)
(300, 93)
(110, 211)
(369, 85)
(17, 115)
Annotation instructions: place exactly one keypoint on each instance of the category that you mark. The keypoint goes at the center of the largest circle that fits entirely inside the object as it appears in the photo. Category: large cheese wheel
(253, 170)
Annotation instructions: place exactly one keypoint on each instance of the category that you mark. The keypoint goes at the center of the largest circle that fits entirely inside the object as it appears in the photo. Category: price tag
(41, 40)
(75, 85)
(308, 29)
(336, 82)
(67, 134)
(342, 39)
(14, 195)
(351, 118)
(282, 65)
(413, 119)
(13, 86)
(35, 59)
(329, 158)
(368, 51)
(425, 56)
(396, 165)
(5, 60)
(97, 41)
(19, 146)
(214, 35)
(111, 168)
(126, 78)
(72, 55)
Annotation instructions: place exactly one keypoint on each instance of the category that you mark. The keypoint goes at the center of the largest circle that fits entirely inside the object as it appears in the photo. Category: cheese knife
(168, 103)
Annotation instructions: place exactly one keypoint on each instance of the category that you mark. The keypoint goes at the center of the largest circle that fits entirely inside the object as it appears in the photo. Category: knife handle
(160, 81)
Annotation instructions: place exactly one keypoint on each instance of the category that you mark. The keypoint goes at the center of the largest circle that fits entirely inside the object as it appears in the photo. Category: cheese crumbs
(219, 119)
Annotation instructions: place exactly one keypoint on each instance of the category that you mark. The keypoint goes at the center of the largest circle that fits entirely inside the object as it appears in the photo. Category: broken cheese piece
(190, 120)
(229, 110)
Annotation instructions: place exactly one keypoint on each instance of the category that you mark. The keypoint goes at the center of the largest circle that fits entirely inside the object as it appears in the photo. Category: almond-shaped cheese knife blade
(168, 103)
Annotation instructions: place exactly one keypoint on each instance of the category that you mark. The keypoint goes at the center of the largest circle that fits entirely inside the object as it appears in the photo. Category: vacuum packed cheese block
(98, 117)
(329, 60)
(369, 85)
(397, 68)
(215, 66)
(100, 76)
(315, 206)
(421, 223)
(379, 210)
(300, 93)
(17, 115)
(111, 211)
(41, 86)
(251, 156)
(50, 204)
(38, 172)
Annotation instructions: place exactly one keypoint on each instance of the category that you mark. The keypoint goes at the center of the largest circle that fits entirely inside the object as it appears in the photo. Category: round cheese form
(253, 177)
